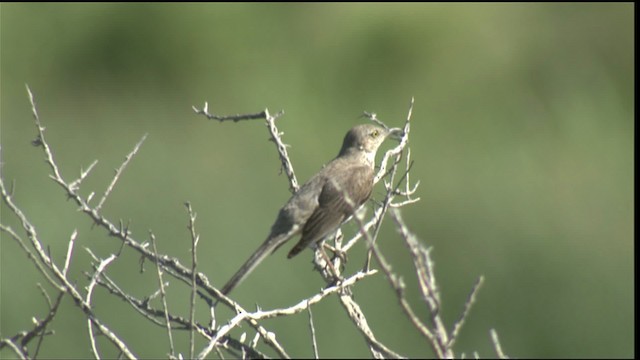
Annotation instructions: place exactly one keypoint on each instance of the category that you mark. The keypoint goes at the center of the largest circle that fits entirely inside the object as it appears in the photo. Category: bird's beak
(395, 134)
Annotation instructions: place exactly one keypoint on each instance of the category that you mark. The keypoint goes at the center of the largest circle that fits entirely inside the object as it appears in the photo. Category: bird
(328, 199)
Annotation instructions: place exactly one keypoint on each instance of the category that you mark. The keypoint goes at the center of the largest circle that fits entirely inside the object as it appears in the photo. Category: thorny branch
(399, 192)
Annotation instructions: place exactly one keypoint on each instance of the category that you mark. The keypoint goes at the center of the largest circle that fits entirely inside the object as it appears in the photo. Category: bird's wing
(333, 208)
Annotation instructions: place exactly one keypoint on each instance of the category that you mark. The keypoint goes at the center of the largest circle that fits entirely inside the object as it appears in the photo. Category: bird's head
(365, 140)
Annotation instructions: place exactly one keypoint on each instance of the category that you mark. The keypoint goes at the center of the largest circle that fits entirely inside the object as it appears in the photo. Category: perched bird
(319, 207)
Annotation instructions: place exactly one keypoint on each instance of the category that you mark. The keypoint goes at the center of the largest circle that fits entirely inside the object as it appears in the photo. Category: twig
(386, 203)
(53, 309)
(39, 330)
(282, 150)
(398, 149)
(465, 313)
(103, 264)
(20, 352)
(163, 296)
(377, 349)
(83, 174)
(69, 252)
(119, 172)
(33, 258)
(496, 344)
(235, 118)
(39, 141)
(314, 341)
(194, 244)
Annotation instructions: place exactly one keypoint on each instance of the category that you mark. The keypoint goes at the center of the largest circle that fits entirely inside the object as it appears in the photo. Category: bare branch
(314, 341)
(103, 264)
(67, 260)
(396, 151)
(282, 149)
(235, 118)
(496, 344)
(143, 307)
(20, 352)
(194, 259)
(43, 255)
(438, 336)
(294, 309)
(465, 313)
(53, 310)
(33, 258)
(399, 192)
(399, 287)
(163, 296)
(83, 174)
(39, 141)
(39, 330)
(119, 172)
(377, 349)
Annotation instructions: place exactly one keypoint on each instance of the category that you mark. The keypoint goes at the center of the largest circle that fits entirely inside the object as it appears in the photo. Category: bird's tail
(268, 246)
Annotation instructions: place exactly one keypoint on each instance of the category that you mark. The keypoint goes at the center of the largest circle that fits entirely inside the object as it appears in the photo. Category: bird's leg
(337, 252)
(336, 249)
(337, 278)
(328, 270)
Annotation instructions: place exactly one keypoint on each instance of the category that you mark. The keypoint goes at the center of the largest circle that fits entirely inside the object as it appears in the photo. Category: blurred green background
(522, 140)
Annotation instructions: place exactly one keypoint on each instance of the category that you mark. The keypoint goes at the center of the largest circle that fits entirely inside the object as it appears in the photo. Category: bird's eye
(375, 133)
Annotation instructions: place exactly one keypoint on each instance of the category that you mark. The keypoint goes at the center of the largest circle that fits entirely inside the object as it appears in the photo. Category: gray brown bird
(319, 207)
